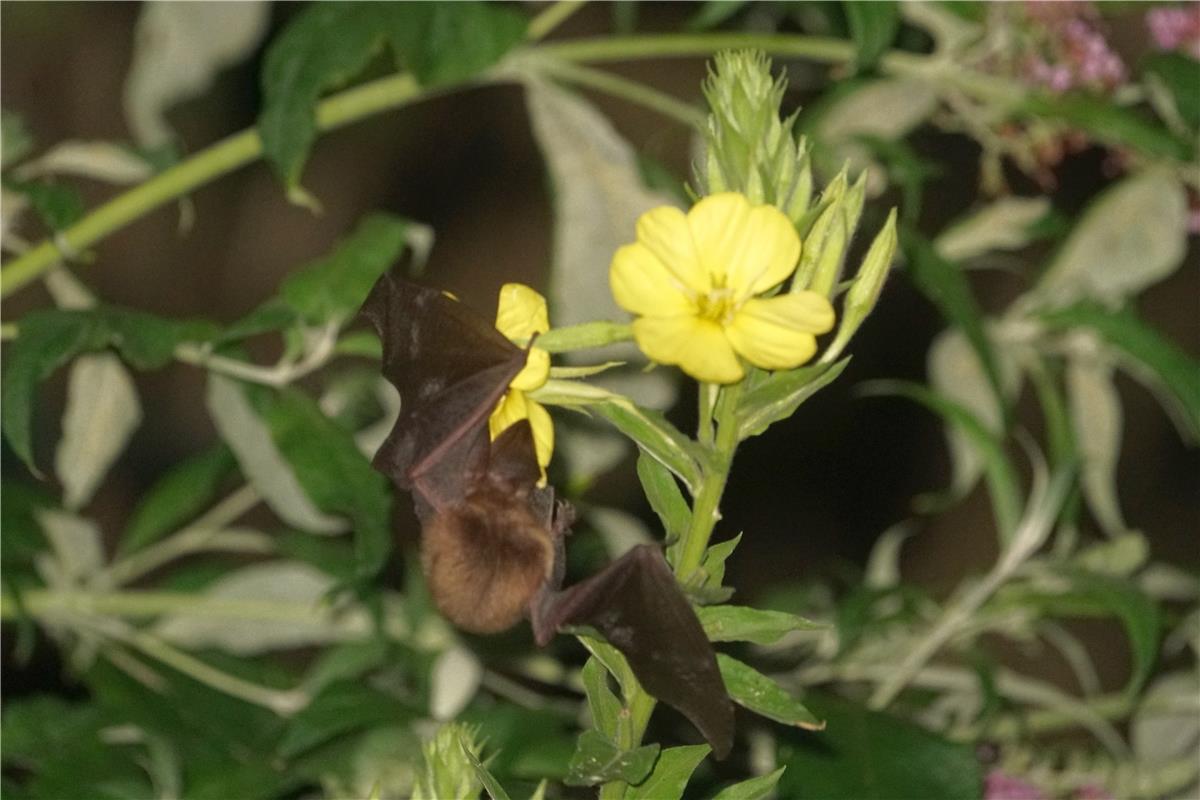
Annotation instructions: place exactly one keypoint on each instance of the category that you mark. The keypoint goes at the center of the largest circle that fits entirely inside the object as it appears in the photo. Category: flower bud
(749, 149)
(864, 291)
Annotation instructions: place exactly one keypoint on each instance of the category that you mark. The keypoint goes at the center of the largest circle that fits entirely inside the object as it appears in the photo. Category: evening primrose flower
(521, 315)
(694, 282)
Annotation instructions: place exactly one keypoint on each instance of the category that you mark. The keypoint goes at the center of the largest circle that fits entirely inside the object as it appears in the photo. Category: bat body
(492, 539)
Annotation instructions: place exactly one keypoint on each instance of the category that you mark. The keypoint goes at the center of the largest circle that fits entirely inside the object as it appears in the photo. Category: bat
(492, 540)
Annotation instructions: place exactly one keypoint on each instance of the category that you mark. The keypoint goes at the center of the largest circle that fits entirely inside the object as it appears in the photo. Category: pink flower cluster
(1075, 52)
(1176, 28)
(1000, 786)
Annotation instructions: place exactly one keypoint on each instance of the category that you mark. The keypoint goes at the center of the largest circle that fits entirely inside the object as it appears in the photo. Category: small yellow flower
(521, 314)
(693, 281)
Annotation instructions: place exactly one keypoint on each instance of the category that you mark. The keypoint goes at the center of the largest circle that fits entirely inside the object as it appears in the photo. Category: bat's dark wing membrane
(451, 368)
(637, 605)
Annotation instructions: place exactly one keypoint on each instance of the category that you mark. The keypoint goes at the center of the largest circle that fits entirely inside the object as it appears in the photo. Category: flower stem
(722, 407)
(625, 89)
(545, 22)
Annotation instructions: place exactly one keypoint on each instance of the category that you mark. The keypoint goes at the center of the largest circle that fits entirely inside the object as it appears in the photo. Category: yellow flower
(694, 282)
(521, 314)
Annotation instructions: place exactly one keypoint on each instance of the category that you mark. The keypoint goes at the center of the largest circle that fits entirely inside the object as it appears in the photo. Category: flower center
(717, 305)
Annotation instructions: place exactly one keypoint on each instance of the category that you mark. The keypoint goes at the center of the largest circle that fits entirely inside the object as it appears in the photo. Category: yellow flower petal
(535, 372)
(697, 345)
(543, 432)
(777, 333)
(665, 232)
(642, 285)
(511, 409)
(521, 312)
(746, 249)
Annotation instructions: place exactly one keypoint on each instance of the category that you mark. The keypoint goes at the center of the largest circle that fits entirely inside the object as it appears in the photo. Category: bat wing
(637, 605)
(451, 367)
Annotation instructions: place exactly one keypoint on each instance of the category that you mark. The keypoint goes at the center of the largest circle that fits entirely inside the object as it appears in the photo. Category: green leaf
(614, 662)
(1110, 124)
(712, 13)
(665, 498)
(15, 139)
(1090, 594)
(873, 26)
(1132, 236)
(57, 205)
(1001, 475)
(944, 284)
(655, 436)
(58, 749)
(47, 340)
(333, 288)
(779, 395)
(243, 427)
(752, 690)
(490, 784)
(671, 773)
(1145, 351)
(1178, 73)
(339, 709)
(866, 755)
(753, 789)
(178, 496)
(333, 471)
(744, 624)
(603, 704)
(715, 558)
(598, 760)
(329, 44)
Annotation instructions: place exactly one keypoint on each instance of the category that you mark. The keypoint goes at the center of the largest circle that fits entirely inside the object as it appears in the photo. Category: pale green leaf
(101, 415)
(1005, 224)
(277, 605)
(178, 50)
(1097, 421)
(453, 682)
(1131, 237)
(249, 437)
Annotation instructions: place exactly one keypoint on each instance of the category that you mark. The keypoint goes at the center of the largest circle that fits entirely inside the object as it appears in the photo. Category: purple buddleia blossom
(1000, 786)
(1176, 28)
(1092, 791)
(1073, 52)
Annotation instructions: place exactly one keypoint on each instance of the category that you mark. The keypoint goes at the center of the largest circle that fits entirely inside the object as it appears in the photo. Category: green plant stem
(625, 89)
(212, 162)
(545, 22)
(282, 702)
(985, 87)
(206, 533)
(715, 473)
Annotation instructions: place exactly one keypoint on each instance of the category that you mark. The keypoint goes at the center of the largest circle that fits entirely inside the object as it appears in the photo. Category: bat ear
(513, 461)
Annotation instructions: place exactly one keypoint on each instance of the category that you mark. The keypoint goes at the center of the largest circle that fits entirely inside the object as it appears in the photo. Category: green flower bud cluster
(448, 771)
(748, 148)
(751, 149)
